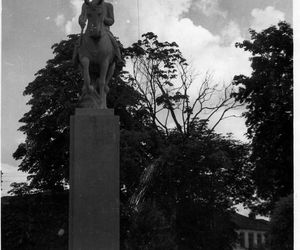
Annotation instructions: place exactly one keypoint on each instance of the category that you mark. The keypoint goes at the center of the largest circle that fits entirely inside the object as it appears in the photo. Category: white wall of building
(255, 236)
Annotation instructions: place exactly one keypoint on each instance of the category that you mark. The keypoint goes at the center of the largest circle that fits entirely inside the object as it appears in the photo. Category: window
(251, 240)
(259, 240)
(242, 239)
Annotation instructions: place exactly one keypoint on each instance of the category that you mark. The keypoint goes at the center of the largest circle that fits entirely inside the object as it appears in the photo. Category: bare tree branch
(165, 81)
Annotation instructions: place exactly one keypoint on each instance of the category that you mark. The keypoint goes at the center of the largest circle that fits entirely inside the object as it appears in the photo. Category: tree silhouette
(268, 95)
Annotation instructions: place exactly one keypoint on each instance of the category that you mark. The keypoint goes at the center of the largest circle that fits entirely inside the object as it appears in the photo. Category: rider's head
(94, 2)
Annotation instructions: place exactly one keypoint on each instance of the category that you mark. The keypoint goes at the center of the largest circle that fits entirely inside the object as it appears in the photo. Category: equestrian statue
(96, 52)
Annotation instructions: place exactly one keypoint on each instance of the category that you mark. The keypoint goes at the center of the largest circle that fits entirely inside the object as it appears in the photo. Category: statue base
(94, 218)
(90, 99)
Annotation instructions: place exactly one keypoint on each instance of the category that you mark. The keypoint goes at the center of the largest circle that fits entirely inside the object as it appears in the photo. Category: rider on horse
(108, 21)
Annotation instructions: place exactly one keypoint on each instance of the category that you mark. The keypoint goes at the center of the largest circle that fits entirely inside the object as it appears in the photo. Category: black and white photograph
(148, 125)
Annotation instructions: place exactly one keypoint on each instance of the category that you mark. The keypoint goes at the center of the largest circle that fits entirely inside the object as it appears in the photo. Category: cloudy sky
(205, 30)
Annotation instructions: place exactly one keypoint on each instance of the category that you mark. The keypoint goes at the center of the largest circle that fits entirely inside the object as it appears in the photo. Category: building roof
(244, 222)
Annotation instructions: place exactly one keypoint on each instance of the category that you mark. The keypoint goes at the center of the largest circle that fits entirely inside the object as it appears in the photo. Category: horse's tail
(116, 49)
(75, 57)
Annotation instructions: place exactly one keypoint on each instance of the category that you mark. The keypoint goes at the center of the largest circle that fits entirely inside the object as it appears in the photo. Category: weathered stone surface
(94, 180)
(96, 48)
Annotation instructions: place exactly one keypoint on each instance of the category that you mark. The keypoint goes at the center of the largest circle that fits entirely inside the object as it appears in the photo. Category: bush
(281, 230)
(32, 222)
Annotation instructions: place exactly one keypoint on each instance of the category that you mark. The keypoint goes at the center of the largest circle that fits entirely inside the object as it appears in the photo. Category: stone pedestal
(94, 180)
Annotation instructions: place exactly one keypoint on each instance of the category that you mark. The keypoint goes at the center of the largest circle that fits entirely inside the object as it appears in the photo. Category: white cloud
(231, 33)
(262, 19)
(20, 139)
(72, 25)
(60, 20)
(206, 51)
(10, 175)
(233, 124)
(210, 8)
(163, 17)
(11, 170)
(199, 45)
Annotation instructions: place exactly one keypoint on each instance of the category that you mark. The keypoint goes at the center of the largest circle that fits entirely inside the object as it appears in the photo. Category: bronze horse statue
(96, 56)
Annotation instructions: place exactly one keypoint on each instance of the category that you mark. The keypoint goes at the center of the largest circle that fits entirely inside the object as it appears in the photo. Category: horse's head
(95, 16)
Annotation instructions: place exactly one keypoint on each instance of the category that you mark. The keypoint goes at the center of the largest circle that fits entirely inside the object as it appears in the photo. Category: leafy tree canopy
(184, 171)
(54, 95)
(195, 183)
(282, 225)
(268, 95)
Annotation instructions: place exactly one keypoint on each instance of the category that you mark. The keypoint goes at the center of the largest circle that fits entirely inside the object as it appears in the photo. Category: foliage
(195, 175)
(32, 222)
(20, 189)
(180, 180)
(164, 79)
(150, 230)
(54, 95)
(268, 95)
(195, 183)
(281, 231)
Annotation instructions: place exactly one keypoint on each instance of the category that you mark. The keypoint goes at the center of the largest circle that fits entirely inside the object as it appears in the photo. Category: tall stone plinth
(94, 180)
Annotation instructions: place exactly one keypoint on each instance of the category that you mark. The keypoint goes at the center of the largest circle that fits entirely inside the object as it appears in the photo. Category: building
(251, 232)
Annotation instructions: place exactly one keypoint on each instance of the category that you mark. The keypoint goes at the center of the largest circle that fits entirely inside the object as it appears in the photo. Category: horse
(96, 55)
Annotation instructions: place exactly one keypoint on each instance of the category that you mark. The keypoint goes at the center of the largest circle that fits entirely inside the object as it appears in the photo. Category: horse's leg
(101, 81)
(109, 75)
(85, 62)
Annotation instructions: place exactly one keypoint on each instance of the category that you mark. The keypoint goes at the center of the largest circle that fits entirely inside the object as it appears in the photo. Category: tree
(164, 79)
(20, 189)
(189, 180)
(195, 183)
(54, 95)
(150, 230)
(204, 163)
(281, 232)
(268, 95)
